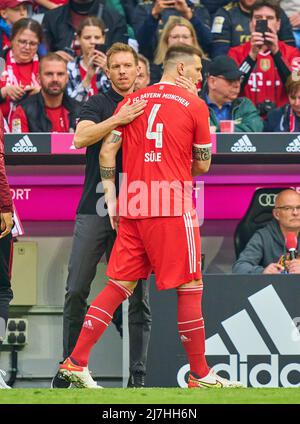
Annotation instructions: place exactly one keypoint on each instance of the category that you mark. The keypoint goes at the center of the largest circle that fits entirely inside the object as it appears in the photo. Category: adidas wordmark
(24, 145)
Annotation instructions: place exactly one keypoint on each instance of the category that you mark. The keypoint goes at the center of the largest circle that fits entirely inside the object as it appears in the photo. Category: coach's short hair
(178, 51)
(118, 48)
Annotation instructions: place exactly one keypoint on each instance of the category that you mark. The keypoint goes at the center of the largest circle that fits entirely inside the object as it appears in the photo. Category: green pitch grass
(150, 396)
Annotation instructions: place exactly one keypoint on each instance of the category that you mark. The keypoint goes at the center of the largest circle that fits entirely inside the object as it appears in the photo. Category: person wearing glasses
(265, 253)
(221, 94)
(20, 76)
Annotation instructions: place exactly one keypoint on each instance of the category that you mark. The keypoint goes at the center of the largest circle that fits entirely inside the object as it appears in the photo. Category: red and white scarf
(11, 75)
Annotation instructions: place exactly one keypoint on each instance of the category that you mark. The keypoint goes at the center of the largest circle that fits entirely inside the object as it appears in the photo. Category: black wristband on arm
(246, 67)
(282, 68)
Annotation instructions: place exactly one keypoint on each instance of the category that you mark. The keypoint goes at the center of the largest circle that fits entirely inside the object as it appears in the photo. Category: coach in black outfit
(93, 234)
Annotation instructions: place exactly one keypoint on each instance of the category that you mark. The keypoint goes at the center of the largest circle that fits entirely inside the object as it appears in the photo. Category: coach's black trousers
(93, 236)
(6, 294)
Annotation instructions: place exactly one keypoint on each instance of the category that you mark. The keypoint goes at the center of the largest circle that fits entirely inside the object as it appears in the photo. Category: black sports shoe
(136, 380)
(58, 382)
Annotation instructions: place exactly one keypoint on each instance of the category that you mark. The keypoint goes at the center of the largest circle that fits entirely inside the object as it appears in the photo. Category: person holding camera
(265, 61)
(231, 27)
(150, 18)
(87, 72)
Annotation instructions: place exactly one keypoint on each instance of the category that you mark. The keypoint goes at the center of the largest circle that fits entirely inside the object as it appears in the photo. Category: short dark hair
(27, 23)
(272, 4)
(51, 57)
(178, 50)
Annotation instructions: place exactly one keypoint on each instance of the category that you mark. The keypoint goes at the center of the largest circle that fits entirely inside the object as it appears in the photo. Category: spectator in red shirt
(266, 62)
(19, 78)
(50, 110)
(10, 12)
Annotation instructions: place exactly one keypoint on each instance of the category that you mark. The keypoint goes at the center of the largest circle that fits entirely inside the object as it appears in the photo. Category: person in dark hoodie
(61, 24)
(265, 253)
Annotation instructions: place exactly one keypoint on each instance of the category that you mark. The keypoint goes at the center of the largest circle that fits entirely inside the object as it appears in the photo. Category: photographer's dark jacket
(230, 28)
(265, 77)
(266, 246)
(282, 120)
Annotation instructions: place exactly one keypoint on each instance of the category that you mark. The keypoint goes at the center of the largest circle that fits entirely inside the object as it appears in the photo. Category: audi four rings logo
(267, 199)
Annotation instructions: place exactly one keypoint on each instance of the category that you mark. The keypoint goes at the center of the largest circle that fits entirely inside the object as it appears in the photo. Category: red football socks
(191, 328)
(97, 319)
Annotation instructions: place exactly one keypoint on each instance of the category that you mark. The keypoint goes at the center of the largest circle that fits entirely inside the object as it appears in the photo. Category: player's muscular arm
(201, 159)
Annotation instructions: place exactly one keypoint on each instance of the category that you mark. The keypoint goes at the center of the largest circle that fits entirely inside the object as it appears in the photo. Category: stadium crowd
(261, 36)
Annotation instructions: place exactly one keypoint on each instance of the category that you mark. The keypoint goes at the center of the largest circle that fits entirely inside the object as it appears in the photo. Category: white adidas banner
(252, 332)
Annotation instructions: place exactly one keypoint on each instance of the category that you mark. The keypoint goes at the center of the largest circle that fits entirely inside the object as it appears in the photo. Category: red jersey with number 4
(264, 82)
(157, 152)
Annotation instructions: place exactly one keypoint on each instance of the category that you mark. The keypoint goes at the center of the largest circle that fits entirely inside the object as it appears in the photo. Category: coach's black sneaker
(58, 382)
(136, 380)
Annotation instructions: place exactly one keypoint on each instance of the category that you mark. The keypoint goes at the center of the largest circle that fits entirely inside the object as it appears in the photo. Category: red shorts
(169, 246)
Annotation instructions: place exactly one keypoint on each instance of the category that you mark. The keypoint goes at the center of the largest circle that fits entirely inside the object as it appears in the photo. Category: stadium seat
(257, 215)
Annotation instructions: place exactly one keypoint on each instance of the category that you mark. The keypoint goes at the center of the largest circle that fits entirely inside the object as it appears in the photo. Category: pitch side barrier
(252, 325)
(58, 148)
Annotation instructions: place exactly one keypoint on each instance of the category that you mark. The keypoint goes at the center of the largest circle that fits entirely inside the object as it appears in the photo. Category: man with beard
(221, 95)
(231, 27)
(50, 110)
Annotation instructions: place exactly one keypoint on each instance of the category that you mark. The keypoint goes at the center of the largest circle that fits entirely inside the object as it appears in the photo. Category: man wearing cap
(221, 96)
(11, 11)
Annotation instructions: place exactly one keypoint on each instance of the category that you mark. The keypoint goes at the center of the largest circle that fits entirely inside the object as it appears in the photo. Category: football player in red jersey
(167, 145)
(266, 62)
